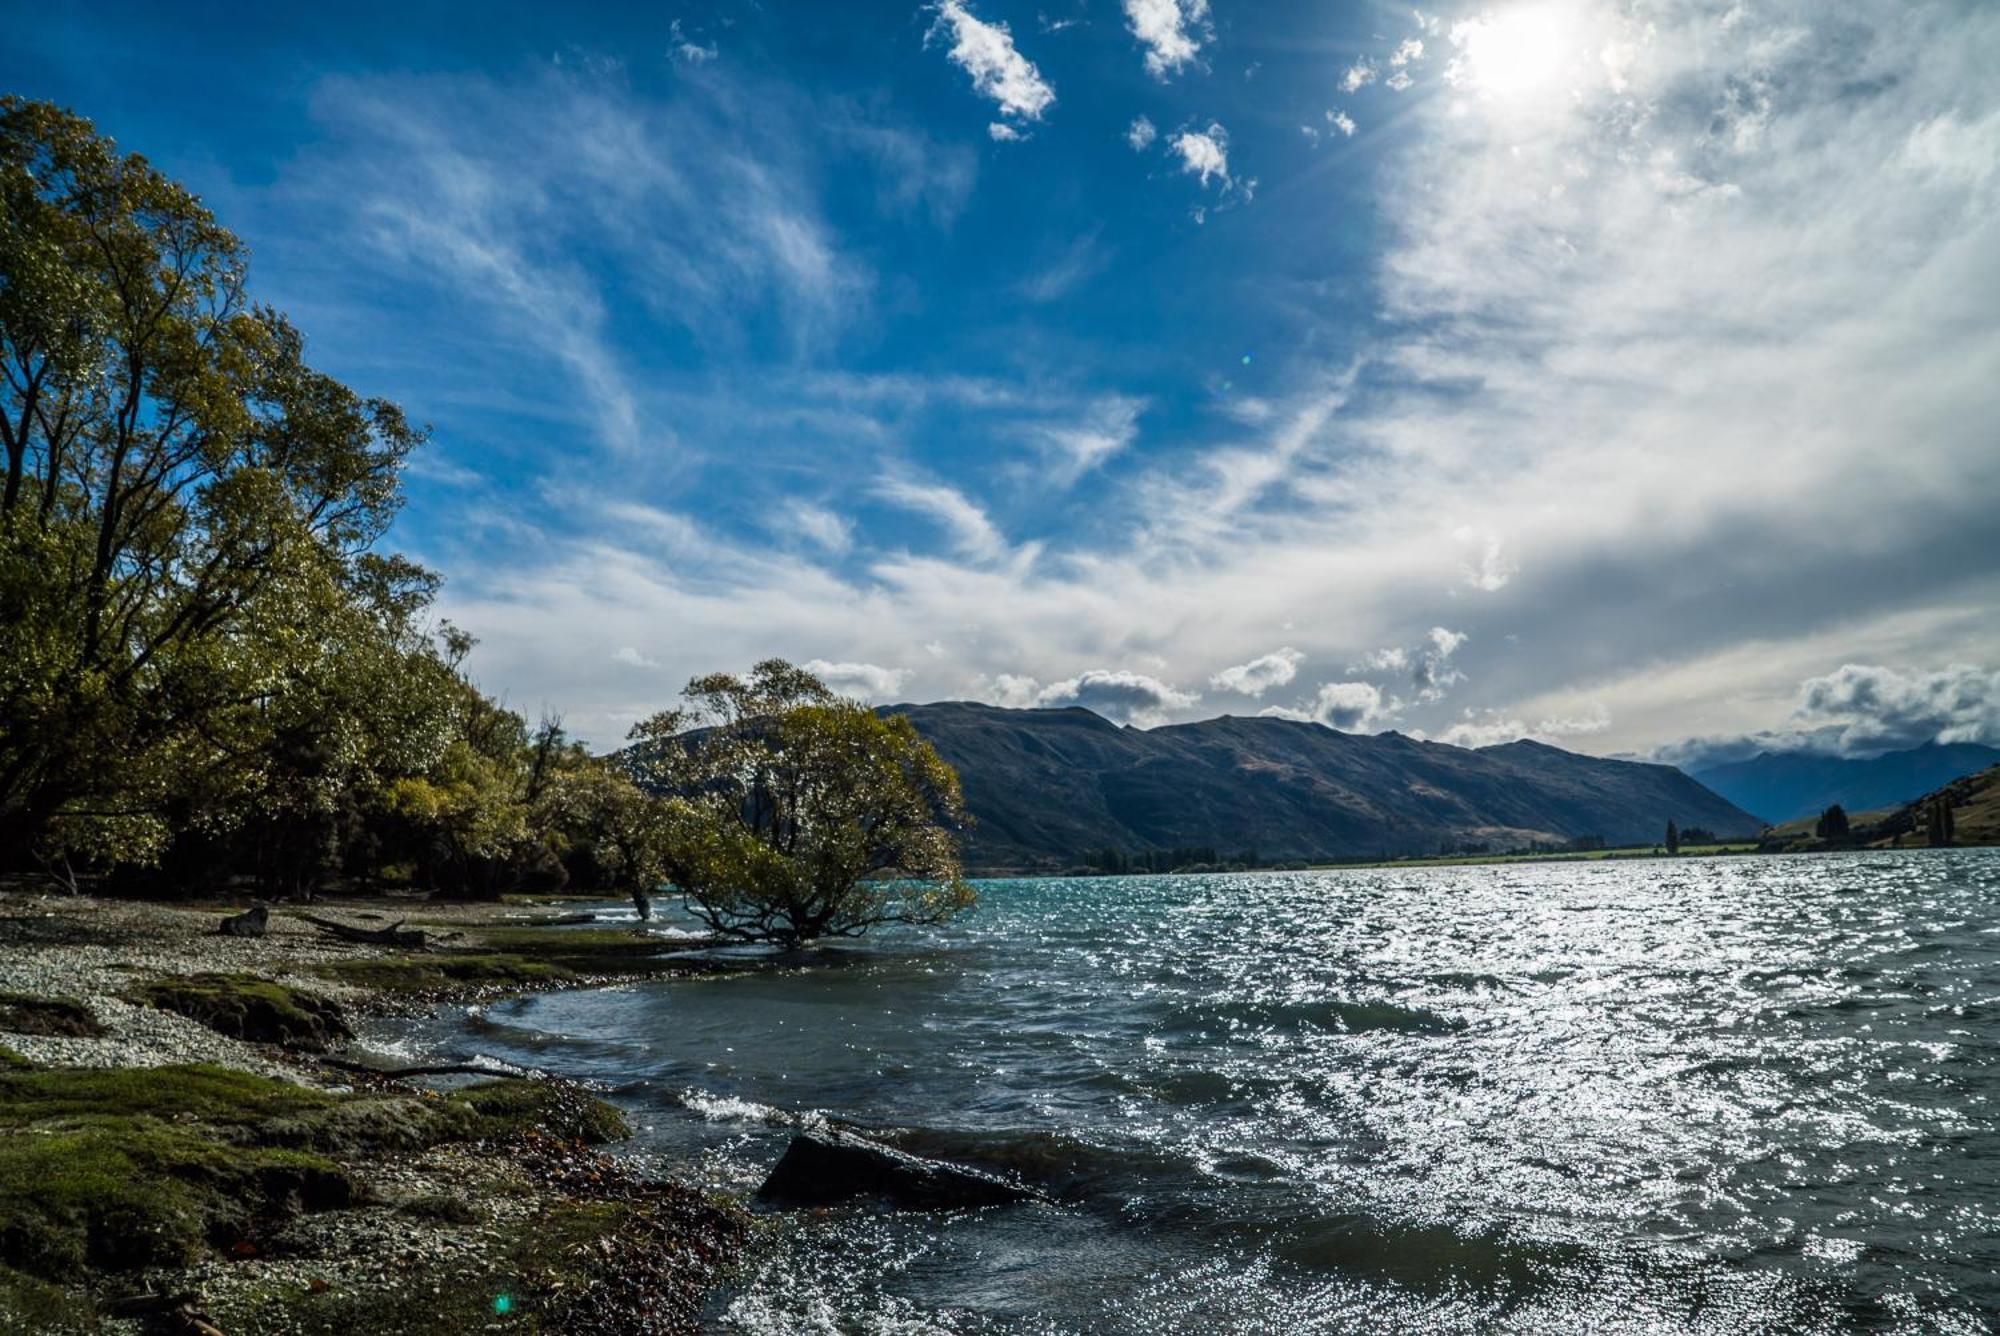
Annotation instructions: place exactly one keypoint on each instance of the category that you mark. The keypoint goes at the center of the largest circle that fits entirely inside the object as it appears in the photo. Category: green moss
(10, 1061)
(117, 1194)
(28, 1304)
(23, 1014)
(198, 1092)
(443, 972)
(111, 1169)
(250, 1007)
(556, 1108)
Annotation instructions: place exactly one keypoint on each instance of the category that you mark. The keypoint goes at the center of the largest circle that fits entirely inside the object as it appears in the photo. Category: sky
(1619, 373)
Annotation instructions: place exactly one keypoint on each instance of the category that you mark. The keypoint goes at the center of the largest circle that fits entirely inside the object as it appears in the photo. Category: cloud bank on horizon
(1618, 374)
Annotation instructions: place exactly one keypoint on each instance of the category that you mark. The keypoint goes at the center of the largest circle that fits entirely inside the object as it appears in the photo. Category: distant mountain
(1049, 786)
(1782, 786)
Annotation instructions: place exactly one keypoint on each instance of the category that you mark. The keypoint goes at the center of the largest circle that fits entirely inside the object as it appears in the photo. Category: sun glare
(1513, 52)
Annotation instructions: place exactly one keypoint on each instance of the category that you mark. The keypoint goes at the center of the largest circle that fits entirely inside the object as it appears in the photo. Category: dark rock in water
(820, 1168)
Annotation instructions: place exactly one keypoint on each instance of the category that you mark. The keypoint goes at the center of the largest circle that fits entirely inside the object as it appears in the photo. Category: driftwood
(563, 920)
(179, 1314)
(250, 923)
(393, 935)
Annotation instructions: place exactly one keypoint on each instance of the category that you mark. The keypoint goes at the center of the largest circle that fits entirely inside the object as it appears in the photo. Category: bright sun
(1514, 51)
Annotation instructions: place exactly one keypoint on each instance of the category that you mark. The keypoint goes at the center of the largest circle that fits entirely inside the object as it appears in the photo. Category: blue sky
(1618, 374)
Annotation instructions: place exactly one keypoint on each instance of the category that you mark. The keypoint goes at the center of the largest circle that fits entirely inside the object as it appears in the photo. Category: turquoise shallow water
(1725, 1095)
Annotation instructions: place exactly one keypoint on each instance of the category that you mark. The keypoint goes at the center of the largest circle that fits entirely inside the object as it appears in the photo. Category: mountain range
(1049, 786)
(1783, 786)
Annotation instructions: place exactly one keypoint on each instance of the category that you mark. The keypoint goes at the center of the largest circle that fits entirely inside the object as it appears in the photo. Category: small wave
(735, 1109)
(1336, 1015)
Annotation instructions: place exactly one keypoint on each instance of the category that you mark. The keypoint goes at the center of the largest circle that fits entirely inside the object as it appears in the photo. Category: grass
(1566, 856)
(443, 972)
(250, 1007)
(509, 957)
(115, 1168)
(22, 1014)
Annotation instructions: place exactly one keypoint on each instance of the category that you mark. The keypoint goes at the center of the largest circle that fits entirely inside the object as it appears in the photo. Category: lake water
(1728, 1095)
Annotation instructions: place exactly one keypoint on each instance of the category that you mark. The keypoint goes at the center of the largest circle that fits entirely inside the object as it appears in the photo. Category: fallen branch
(393, 935)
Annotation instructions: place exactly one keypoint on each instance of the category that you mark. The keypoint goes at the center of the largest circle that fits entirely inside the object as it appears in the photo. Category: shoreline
(279, 1185)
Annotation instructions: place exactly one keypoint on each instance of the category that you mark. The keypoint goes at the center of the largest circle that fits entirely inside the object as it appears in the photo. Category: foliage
(184, 500)
(1673, 837)
(1832, 823)
(206, 671)
(788, 814)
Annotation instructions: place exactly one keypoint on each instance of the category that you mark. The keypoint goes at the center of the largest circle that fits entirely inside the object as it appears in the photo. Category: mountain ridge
(1784, 786)
(1047, 786)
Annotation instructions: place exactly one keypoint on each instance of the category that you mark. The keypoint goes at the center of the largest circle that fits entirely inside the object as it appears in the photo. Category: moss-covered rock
(115, 1168)
(253, 1008)
(425, 975)
(61, 1016)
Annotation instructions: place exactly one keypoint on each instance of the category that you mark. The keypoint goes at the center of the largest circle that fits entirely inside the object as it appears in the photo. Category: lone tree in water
(1673, 838)
(789, 814)
(1832, 824)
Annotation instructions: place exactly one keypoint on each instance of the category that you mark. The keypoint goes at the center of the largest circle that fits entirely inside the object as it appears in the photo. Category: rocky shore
(188, 1145)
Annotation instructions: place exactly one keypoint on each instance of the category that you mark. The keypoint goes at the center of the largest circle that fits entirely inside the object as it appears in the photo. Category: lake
(1717, 1094)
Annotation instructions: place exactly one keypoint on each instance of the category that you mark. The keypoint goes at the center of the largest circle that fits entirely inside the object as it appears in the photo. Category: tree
(1673, 837)
(612, 826)
(179, 484)
(1938, 821)
(788, 814)
(1832, 824)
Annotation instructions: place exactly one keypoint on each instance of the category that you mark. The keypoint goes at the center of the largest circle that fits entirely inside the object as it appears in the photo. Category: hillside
(1783, 786)
(1048, 786)
(1975, 812)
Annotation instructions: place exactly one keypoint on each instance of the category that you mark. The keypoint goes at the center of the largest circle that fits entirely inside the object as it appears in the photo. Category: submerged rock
(820, 1168)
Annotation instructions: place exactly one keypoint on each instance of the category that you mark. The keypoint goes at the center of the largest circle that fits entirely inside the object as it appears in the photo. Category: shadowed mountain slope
(1048, 786)
(1782, 786)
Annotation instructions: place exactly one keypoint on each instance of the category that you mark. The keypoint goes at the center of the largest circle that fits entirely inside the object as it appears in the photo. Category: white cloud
(1260, 674)
(1351, 707)
(1011, 691)
(1861, 708)
(971, 531)
(1357, 76)
(1140, 133)
(1490, 570)
(1491, 728)
(1205, 153)
(832, 532)
(1399, 81)
(1071, 450)
(1172, 32)
(632, 658)
(1342, 122)
(1121, 695)
(1409, 52)
(687, 49)
(1002, 133)
(999, 71)
(866, 681)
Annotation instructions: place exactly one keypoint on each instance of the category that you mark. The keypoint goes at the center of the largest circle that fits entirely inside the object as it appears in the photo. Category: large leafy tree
(788, 814)
(185, 516)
